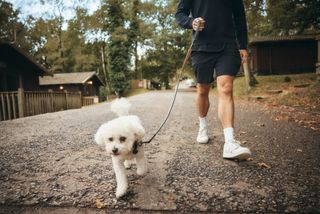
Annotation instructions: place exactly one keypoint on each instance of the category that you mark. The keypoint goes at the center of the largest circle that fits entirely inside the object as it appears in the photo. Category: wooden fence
(26, 103)
(89, 100)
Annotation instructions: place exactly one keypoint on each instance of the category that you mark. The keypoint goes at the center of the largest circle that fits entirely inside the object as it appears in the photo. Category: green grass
(274, 82)
(306, 97)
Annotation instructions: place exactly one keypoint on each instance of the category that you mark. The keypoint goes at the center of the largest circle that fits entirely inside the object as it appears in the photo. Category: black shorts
(225, 61)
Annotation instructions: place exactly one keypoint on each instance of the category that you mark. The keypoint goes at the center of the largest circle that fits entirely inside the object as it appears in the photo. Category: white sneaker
(203, 136)
(233, 150)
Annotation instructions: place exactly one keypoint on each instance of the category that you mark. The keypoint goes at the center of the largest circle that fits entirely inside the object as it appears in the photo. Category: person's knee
(225, 88)
(203, 89)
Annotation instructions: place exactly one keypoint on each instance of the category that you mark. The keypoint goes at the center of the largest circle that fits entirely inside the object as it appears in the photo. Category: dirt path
(50, 164)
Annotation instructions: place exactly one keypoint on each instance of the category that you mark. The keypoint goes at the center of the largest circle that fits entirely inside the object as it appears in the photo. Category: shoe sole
(242, 156)
(203, 142)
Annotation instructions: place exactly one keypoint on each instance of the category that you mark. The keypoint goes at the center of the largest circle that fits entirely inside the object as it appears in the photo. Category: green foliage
(169, 43)
(294, 17)
(258, 23)
(103, 92)
(127, 39)
(8, 20)
(12, 29)
(118, 47)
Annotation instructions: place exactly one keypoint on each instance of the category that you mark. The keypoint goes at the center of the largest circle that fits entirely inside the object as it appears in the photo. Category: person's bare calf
(232, 148)
(203, 104)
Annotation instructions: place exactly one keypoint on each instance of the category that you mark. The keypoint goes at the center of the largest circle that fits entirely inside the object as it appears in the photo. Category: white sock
(202, 122)
(228, 134)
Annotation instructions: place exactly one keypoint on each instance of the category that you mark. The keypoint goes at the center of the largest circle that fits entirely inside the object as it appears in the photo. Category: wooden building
(86, 82)
(18, 69)
(284, 55)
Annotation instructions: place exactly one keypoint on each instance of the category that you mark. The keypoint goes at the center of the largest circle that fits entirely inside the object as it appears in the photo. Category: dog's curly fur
(120, 136)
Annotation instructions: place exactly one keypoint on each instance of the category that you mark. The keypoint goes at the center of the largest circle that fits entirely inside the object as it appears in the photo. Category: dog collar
(135, 146)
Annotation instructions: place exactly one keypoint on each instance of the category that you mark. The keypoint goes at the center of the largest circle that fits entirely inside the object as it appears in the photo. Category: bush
(103, 93)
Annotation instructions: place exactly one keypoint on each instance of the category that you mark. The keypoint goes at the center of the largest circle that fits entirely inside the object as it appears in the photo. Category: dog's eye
(122, 139)
(110, 139)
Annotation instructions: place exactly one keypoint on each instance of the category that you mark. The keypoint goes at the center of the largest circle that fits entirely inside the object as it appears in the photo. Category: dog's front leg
(141, 162)
(121, 177)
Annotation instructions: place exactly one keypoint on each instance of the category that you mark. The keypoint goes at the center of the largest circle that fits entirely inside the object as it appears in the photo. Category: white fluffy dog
(122, 139)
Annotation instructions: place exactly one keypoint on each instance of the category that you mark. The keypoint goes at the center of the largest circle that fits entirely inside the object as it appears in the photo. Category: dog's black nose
(115, 150)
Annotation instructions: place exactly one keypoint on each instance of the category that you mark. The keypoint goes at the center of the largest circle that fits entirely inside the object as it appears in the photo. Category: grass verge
(296, 90)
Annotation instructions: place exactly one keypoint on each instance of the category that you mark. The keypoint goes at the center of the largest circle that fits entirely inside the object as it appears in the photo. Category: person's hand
(196, 22)
(244, 55)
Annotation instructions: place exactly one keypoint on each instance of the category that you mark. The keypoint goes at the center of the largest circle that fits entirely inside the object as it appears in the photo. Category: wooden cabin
(87, 83)
(284, 55)
(18, 69)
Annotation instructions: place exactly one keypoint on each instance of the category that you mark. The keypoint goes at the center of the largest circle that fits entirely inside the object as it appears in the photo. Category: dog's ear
(98, 137)
(139, 132)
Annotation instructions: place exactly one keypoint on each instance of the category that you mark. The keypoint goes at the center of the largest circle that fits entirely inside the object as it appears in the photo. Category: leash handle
(197, 31)
(185, 61)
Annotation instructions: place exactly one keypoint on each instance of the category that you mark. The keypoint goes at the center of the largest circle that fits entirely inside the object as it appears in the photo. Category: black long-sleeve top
(225, 21)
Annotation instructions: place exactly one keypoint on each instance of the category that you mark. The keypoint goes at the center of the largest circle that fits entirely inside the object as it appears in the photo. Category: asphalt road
(50, 164)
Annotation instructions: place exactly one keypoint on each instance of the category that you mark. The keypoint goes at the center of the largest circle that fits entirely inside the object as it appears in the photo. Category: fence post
(247, 75)
(318, 60)
(80, 99)
(66, 93)
(21, 102)
(51, 100)
(250, 80)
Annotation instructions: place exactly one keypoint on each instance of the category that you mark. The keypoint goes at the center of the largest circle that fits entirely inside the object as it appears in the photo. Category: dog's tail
(120, 107)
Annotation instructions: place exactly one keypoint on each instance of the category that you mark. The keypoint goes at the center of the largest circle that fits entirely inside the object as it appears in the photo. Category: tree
(79, 52)
(118, 47)
(294, 16)
(169, 43)
(134, 33)
(8, 21)
(12, 29)
(258, 23)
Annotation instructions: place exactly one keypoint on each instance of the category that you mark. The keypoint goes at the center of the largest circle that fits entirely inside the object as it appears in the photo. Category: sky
(47, 10)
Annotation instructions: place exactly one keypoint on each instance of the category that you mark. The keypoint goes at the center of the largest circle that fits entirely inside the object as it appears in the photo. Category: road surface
(50, 164)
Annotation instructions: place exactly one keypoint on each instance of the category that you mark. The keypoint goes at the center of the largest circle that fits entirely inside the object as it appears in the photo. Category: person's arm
(239, 17)
(182, 15)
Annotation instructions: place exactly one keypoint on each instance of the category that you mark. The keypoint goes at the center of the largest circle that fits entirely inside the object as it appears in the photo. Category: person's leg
(203, 64)
(226, 104)
(202, 99)
(232, 148)
(203, 104)
(227, 67)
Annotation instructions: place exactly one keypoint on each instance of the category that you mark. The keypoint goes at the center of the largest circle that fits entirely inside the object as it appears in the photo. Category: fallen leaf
(99, 205)
(264, 165)
(171, 197)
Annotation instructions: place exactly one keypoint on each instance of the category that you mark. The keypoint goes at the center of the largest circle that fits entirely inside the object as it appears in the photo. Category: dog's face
(119, 135)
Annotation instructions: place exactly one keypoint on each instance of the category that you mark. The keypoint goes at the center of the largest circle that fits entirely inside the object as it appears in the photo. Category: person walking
(217, 52)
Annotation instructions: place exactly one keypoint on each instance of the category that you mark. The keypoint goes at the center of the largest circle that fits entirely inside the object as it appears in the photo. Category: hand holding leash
(198, 24)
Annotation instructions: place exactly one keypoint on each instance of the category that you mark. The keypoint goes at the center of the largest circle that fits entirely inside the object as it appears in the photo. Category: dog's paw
(127, 164)
(142, 170)
(142, 167)
(121, 192)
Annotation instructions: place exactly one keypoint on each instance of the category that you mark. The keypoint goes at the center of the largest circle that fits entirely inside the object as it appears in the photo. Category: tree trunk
(250, 80)
(105, 73)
